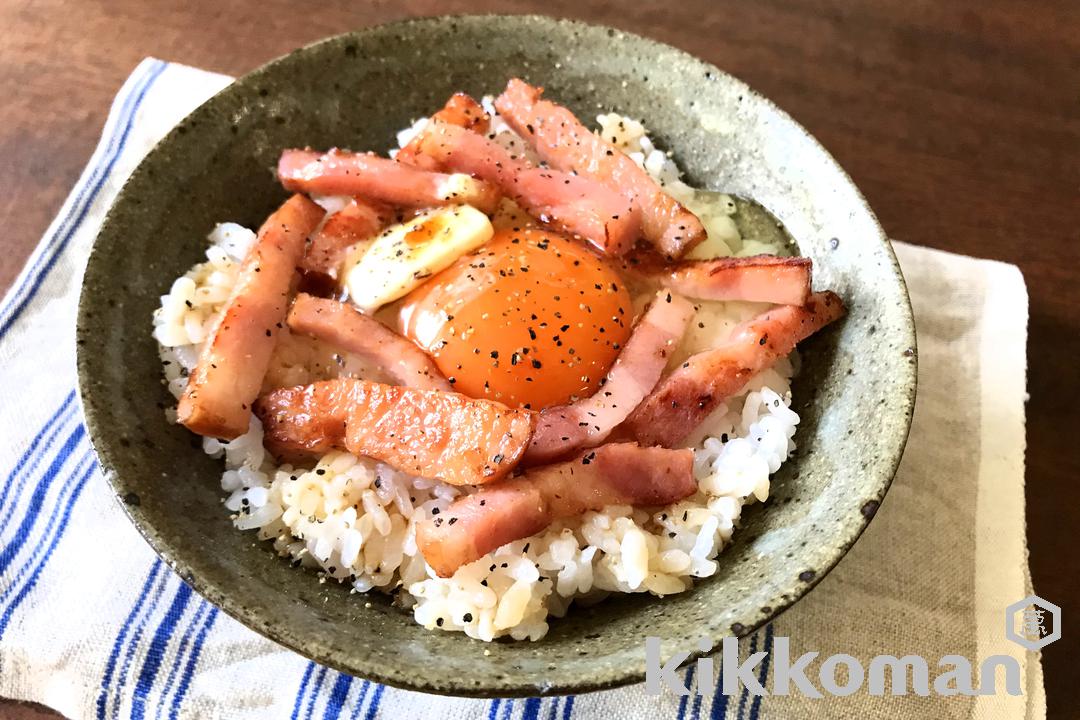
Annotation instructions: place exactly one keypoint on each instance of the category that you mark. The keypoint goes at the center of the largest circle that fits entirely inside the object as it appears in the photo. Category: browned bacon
(460, 110)
(340, 172)
(359, 221)
(460, 440)
(234, 359)
(761, 278)
(685, 398)
(572, 203)
(564, 143)
(589, 421)
(615, 474)
(345, 327)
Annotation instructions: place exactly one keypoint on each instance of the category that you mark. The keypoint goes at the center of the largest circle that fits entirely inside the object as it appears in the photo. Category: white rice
(353, 519)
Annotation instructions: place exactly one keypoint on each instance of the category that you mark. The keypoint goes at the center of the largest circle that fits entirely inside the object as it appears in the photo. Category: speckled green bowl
(855, 393)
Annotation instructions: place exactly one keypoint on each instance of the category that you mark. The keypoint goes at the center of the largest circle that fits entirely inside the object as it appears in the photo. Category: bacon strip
(460, 110)
(588, 422)
(340, 172)
(234, 359)
(572, 203)
(686, 397)
(761, 278)
(345, 327)
(359, 221)
(460, 440)
(616, 474)
(564, 143)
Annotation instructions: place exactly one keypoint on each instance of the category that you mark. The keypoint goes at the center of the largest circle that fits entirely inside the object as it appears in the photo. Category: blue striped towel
(118, 635)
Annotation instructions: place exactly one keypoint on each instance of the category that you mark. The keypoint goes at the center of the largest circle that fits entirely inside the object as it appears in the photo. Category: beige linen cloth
(931, 576)
(946, 553)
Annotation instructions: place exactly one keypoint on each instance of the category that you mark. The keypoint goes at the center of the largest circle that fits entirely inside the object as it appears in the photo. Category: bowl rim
(222, 599)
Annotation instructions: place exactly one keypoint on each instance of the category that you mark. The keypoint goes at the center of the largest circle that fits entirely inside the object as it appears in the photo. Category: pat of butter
(404, 256)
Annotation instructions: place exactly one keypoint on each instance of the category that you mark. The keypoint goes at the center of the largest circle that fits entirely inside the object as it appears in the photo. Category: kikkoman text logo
(1032, 622)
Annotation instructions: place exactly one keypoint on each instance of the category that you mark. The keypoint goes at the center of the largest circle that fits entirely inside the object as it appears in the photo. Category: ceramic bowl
(855, 392)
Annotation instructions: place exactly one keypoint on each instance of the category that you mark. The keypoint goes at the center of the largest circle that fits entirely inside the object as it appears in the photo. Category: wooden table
(960, 121)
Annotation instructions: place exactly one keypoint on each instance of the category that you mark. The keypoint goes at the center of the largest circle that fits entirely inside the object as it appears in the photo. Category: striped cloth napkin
(94, 625)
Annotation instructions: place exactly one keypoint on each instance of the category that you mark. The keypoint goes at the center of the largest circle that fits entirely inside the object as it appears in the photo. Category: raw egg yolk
(532, 319)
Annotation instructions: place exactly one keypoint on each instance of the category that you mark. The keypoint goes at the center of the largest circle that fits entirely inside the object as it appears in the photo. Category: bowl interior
(855, 392)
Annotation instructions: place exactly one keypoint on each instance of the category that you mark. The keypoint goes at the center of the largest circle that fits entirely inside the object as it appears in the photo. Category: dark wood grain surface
(959, 120)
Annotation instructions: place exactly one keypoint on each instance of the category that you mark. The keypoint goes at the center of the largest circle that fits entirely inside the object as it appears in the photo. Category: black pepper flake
(435, 511)
(320, 471)
(439, 622)
(452, 521)
(467, 617)
(536, 364)
(763, 339)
